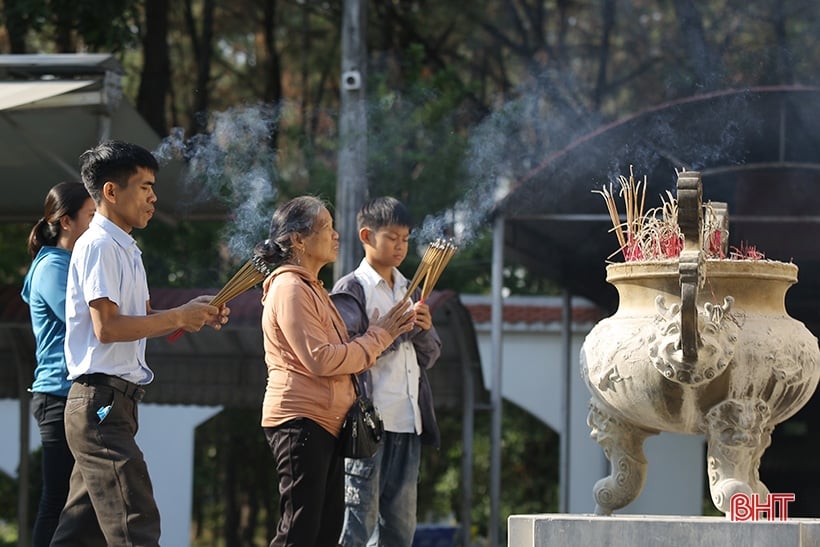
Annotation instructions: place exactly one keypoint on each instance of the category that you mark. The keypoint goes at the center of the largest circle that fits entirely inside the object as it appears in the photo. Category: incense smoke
(233, 167)
(502, 150)
(550, 156)
(235, 164)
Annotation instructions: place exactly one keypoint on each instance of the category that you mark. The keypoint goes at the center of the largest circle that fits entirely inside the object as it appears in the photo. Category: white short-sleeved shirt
(396, 373)
(105, 263)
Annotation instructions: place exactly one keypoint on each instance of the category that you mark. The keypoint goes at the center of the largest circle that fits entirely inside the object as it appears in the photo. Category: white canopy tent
(54, 107)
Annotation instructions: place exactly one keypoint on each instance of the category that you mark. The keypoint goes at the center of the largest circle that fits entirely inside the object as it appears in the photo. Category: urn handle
(690, 266)
(674, 349)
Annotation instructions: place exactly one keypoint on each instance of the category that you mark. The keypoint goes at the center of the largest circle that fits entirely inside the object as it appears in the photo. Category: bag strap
(352, 376)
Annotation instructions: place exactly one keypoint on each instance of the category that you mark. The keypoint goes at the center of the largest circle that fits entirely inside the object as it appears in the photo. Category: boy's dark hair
(113, 161)
(384, 211)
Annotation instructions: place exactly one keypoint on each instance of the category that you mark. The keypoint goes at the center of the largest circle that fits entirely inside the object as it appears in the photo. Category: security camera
(351, 80)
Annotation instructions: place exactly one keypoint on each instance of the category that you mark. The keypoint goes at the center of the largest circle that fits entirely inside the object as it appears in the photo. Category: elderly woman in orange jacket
(309, 360)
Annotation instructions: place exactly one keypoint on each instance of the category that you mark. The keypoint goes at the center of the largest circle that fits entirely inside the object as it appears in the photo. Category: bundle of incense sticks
(251, 273)
(432, 264)
(634, 196)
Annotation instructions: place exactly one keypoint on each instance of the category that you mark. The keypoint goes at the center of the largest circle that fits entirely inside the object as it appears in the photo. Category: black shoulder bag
(363, 428)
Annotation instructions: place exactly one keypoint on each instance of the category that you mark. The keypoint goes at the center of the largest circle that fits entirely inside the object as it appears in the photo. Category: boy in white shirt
(381, 491)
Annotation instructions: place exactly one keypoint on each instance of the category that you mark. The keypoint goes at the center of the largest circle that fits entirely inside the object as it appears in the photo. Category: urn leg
(622, 443)
(754, 480)
(737, 434)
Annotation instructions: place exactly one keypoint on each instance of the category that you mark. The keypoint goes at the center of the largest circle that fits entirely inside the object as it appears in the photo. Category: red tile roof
(532, 314)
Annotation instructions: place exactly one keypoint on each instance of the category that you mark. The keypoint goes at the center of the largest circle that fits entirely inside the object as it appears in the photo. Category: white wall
(10, 431)
(166, 436)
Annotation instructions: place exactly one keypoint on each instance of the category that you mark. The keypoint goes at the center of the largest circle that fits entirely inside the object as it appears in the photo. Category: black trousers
(311, 484)
(57, 463)
(110, 500)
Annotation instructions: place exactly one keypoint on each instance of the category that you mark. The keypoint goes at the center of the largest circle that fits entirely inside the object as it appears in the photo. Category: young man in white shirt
(108, 318)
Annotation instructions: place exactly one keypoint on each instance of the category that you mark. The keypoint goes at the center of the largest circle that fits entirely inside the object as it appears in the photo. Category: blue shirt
(44, 292)
(106, 263)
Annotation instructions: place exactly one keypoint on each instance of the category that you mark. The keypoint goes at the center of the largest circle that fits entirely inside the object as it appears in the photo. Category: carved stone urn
(697, 346)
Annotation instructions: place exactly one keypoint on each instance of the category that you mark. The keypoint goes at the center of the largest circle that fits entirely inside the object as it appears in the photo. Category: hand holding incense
(254, 271)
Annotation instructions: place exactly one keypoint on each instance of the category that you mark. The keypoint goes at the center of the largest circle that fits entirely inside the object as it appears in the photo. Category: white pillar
(10, 430)
(166, 436)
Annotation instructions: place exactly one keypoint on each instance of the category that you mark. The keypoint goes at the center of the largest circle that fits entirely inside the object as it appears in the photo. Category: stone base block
(551, 530)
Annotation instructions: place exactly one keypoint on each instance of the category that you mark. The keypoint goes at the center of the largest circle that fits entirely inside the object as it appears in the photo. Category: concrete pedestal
(658, 531)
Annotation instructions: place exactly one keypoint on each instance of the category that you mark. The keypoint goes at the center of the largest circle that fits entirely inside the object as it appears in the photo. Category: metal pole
(111, 97)
(351, 186)
(496, 319)
(24, 374)
(467, 439)
(566, 358)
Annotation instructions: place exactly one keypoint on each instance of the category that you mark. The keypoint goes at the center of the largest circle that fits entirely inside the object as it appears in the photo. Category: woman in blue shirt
(67, 212)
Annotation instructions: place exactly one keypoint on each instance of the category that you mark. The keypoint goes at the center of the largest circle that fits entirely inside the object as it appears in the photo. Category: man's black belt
(129, 389)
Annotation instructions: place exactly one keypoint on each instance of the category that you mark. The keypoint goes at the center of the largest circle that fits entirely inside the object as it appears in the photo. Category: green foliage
(184, 255)
(8, 498)
(529, 449)
(88, 24)
(8, 534)
(104, 26)
(14, 257)
(235, 486)
(415, 147)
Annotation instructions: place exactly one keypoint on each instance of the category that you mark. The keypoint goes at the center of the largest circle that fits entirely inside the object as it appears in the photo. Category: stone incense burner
(697, 346)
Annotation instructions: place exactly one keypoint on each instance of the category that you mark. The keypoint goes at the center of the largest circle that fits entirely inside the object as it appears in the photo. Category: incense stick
(628, 233)
(445, 251)
(421, 271)
(254, 271)
(430, 268)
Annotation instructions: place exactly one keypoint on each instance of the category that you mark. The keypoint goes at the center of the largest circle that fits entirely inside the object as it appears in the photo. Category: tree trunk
(16, 23)
(784, 66)
(156, 70)
(203, 73)
(273, 70)
(230, 487)
(64, 30)
(351, 184)
(702, 58)
(608, 19)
